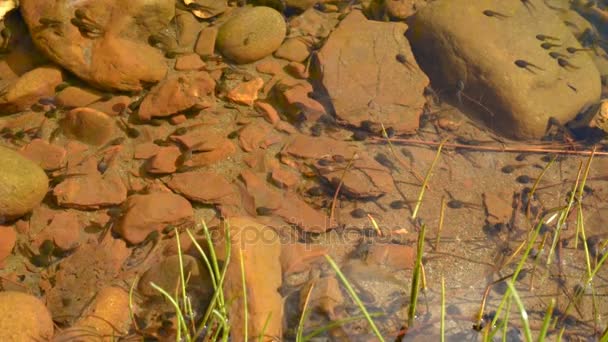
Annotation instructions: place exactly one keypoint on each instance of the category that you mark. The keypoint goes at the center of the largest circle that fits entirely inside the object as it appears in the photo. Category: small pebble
(316, 130)
(360, 135)
(398, 204)
(263, 211)
(358, 213)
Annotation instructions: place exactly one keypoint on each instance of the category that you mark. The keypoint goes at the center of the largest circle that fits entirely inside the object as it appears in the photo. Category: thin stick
(442, 324)
(510, 149)
(390, 147)
(334, 200)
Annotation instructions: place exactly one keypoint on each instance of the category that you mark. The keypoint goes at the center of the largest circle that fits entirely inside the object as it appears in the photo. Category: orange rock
(146, 150)
(107, 315)
(261, 251)
(8, 236)
(49, 157)
(296, 211)
(187, 27)
(399, 257)
(89, 126)
(72, 97)
(29, 88)
(189, 62)
(113, 106)
(64, 230)
(91, 191)
(297, 257)
(178, 92)
(270, 114)
(247, 92)
(269, 66)
(224, 150)
(293, 49)
(153, 212)
(205, 45)
(284, 178)
(204, 187)
(297, 70)
(164, 161)
(326, 295)
(178, 119)
(24, 317)
(252, 136)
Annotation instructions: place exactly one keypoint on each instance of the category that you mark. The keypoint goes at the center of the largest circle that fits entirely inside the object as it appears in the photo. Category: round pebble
(24, 317)
(23, 184)
(251, 34)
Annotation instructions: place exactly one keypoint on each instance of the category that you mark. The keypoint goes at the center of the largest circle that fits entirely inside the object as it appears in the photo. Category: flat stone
(20, 94)
(89, 126)
(164, 161)
(326, 296)
(49, 157)
(189, 62)
(72, 97)
(252, 136)
(514, 101)
(296, 211)
(91, 191)
(365, 79)
(398, 257)
(222, 152)
(293, 49)
(204, 187)
(177, 93)
(298, 257)
(114, 106)
(64, 230)
(153, 212)
(261, 259)
(188, 27)
(308, 147)
(205, 44)
(246, 93)
(146, 150)
(284, 178)
(270, 113)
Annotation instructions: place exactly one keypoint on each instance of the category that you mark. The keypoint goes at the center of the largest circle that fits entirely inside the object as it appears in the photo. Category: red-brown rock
(164, 161)
(8, 236)
(20, 94)
(205, 45)
(153, 212)
(252, 136)
(89, 126)
(49, 157)
(246, 93)
(189, 62)
(91, 191)
(177, 93)
(366, 80)
(72, 97)
(204, 187)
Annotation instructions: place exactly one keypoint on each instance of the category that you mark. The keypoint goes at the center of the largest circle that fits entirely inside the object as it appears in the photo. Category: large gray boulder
(480, 43)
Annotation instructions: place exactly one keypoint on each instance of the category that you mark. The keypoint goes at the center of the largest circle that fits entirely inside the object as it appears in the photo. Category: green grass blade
(182, 327)
(416, 277)
(354, 297)
(426, 181)
(546, 321)
(522, 312)
(304, 314)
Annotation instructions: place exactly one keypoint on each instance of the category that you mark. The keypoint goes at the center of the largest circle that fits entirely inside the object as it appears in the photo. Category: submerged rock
(251, 34)
(153, 212)
(102, 42)
(261, 251)
(370, 74)
(23, 184)
(490, 55)
(20, 94)
(24, 317)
